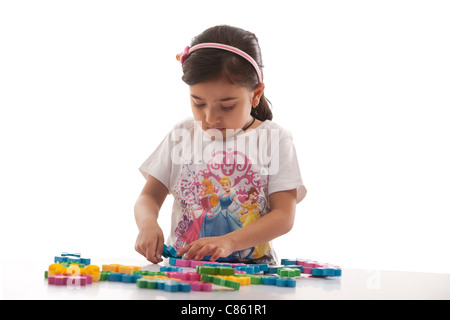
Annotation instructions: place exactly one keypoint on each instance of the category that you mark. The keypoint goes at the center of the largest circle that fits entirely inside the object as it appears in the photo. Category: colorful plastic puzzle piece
(288, 272)
(288, 262)
(248, 269)
(244, 281)
(199, 286)
(104, 275)
(182, 263)
(170, 269)
(279, 282)
(150, 273)
(119, 268)
(123, 277)
(167, 285)
(56, 268)
(185, 276)
(286, 282)
(319, 269)
(215, 270)
(212, 264)
(74, 269)
(72, 257)
(274, 269)
(269, 281)
(263, 267)
(93, 271)
(254, 279)
(220, 281)
(326, 272)
(169, 251)
(69, 280)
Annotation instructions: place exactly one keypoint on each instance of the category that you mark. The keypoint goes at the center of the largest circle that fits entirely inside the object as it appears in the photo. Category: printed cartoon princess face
(253, 197)
(225, 182)
(225, 186)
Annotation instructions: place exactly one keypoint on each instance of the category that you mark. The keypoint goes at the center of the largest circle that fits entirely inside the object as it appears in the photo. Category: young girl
(232, 142)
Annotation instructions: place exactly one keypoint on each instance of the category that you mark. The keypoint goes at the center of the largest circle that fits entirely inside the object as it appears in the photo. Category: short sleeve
(284, 171)
(159, 163)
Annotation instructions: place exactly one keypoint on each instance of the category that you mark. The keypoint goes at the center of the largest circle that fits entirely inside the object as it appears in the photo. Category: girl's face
(221, 105)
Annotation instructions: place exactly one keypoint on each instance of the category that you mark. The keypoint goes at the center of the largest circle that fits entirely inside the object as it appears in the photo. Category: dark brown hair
(210, 64)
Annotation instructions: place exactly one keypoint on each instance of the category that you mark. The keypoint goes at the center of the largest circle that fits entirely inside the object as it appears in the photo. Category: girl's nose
(211, 119)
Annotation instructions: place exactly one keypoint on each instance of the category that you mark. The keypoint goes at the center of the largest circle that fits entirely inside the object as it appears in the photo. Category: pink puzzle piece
(185, 276)
(309, 265)
(69, 280)
(199, 286)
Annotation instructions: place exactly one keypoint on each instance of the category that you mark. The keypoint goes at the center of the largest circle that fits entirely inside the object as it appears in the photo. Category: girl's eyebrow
(195, 97)
(228, 98)
(223, 99)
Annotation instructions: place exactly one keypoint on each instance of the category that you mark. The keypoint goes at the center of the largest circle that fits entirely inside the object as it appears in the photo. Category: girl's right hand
(150, 242)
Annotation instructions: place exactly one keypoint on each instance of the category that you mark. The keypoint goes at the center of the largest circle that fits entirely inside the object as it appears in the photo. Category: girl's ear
(257, 93)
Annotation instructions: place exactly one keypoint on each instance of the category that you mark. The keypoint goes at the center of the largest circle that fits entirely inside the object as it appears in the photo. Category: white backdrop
(89, 88)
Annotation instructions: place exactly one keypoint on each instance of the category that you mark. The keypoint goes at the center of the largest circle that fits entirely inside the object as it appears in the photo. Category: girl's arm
(274, 224)
(150, 240)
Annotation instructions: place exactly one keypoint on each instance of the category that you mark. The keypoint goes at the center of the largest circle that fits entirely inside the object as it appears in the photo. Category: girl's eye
(227, 108)
(198, 105)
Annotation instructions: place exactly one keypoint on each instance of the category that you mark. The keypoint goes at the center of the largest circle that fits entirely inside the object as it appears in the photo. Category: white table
(26, 281)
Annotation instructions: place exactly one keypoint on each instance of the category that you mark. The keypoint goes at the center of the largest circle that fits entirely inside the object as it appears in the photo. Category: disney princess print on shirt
(219, 197)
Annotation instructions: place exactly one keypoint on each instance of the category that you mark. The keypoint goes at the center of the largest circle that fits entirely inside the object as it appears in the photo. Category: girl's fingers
(159, 251)
(199, 249)
(183, 250)
(204, 251)
(149, 254)
(217, 254)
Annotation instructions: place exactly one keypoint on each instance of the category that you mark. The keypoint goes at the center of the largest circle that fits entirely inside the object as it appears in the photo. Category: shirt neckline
(249, 131)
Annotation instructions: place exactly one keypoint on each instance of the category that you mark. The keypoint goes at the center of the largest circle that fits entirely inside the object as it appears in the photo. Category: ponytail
(262, 111)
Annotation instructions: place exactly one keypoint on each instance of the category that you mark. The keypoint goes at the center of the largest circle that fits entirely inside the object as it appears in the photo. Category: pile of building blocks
(69, 280)
(314, 268)
(72, 258)
(73, 270)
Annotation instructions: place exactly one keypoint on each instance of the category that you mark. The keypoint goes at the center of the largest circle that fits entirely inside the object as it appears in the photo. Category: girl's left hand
(215, 246)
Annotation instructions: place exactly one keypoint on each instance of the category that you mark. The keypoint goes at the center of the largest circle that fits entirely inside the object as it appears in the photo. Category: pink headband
(183, 56)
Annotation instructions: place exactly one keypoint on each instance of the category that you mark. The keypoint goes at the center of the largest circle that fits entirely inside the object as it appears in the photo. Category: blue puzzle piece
(170, 269)
(270, 281)
(172, 260)
(123, 277)
(175, 286)
(288, 262)
(72, 257)
(286, 282)
(115, 276)
(326, 272)
(71, 254)
(249, 269)
(226, 265)
(131, 278)
(169, 252)
(263, 267)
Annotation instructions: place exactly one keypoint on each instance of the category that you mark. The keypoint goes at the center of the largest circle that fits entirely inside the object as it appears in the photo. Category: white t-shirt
(222, 184)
